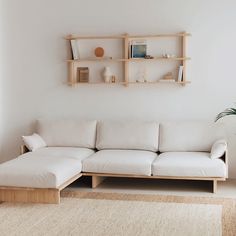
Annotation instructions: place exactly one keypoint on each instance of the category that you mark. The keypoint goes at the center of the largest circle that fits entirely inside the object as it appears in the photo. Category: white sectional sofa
(169, 150)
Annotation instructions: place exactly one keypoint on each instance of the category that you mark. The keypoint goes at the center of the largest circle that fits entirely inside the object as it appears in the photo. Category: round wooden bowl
(99, 52)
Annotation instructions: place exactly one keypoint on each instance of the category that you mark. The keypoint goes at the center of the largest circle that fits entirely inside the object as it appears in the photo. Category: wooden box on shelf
(82, 74)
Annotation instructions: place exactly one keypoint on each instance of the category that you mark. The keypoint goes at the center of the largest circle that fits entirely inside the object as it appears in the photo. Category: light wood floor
(164, 187)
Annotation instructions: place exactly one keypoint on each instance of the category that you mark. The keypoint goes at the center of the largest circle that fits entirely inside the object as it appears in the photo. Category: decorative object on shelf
(107, 75)
(138, 49)
(142, 75)
(113, 79)
(83, 74)
(226, 112)
(74, 49)
(180, 74)
(166, 55)
(168, 76)
(148, 57)
(144, 79)
(99, 52)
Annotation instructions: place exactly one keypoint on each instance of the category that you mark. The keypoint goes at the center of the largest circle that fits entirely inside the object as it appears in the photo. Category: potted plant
(226, 112)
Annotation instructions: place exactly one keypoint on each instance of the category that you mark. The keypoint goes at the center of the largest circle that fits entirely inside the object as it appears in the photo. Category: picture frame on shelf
(138, 49)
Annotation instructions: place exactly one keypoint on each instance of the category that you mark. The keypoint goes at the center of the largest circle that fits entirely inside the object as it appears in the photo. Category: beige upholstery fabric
(127, 135)
(33, 142)
(218, 149)
(120, 162)
(190, 164)
(189, 136)
(64, 133)
(77, 153)
(38, 170)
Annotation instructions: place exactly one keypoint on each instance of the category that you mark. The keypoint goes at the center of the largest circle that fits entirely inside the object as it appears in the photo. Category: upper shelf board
(70, 37)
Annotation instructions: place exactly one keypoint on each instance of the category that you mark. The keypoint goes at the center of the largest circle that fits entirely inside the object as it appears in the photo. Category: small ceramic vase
(107, 74)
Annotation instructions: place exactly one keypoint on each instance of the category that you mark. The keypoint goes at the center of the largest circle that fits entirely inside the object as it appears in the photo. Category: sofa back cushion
(127, 135)
(68, 133)
(189, 136)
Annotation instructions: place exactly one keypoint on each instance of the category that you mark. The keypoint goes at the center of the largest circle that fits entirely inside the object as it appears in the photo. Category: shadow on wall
(10, 144)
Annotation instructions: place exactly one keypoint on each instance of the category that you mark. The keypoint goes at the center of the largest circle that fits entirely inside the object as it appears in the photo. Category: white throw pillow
(33, 142)
(218, 149)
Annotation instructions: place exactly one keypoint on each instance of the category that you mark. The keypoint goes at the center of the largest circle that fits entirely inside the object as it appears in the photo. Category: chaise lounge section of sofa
(39, 176)
(137, 149)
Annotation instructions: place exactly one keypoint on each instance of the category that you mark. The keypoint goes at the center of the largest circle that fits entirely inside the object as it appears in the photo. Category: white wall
(35, 69)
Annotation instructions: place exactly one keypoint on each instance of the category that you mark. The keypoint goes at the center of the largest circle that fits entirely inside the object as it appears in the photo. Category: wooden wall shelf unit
(126, 60)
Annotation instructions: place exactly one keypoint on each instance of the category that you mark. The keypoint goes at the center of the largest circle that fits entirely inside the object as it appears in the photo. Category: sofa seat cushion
(131, 162)
(37, 170)
(188, 164)
(78, 153)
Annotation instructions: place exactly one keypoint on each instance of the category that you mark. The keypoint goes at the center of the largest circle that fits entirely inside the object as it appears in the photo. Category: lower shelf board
(127, 83)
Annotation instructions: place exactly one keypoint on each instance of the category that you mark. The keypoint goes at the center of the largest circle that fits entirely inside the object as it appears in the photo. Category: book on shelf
(180, 74)
(74, 49)
(138, 49)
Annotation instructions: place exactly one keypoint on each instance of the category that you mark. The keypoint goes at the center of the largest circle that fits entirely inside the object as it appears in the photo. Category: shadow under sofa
(169, 150)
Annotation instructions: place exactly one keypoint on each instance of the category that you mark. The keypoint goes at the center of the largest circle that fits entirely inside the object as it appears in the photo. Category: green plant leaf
(226, 112)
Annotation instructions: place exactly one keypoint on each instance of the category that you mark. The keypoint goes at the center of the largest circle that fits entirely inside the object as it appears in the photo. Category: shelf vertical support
(126, 62)
(184, 38)
(72, 73)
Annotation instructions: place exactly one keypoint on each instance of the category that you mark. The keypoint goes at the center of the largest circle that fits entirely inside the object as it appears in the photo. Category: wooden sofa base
(40, 195)
(98, 178)
(34, 195)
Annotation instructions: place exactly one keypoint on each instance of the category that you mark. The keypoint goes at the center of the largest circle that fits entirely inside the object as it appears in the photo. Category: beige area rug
(228, 218)
(110, 217)
(104, 214)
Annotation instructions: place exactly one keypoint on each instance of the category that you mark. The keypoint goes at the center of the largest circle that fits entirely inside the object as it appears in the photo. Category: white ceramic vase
(107, 74)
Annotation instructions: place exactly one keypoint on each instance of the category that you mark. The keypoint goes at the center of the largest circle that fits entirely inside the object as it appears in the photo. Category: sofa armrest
(23, 149)
(226, 160)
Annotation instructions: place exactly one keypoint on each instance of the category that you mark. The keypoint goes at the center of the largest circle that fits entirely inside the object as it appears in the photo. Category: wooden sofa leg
(96, 180)
(214, 186)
